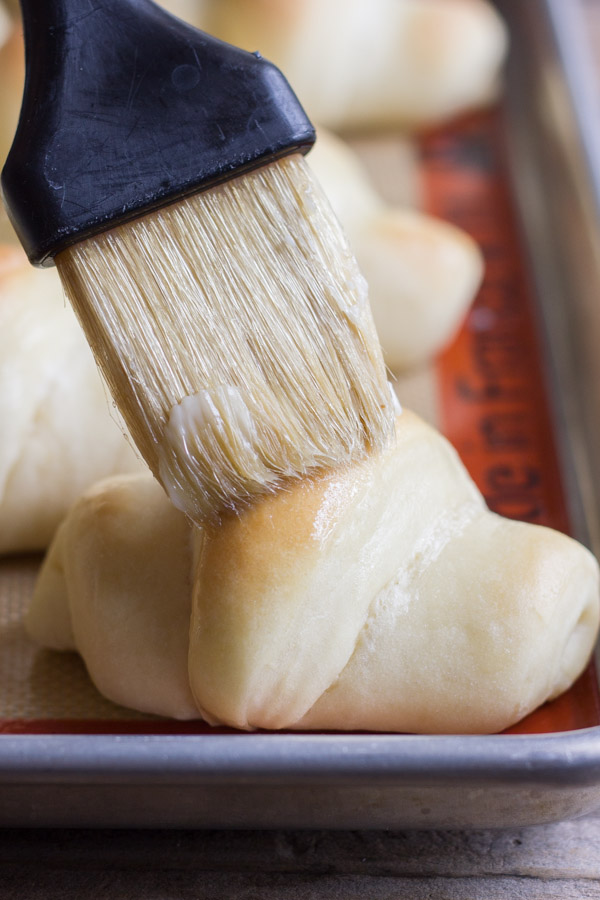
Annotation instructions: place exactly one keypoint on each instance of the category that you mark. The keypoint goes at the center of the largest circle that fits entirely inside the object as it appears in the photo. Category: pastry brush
(162, 171)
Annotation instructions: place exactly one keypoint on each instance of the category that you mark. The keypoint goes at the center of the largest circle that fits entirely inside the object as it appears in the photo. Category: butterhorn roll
(370, 63)
(422, 273)
(383, 596)
(58, 436)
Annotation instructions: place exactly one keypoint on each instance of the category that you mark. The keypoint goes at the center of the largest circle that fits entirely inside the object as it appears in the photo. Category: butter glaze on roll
(383, 596)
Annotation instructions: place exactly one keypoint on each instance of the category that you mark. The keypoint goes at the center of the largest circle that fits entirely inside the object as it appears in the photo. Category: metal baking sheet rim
(299, 781)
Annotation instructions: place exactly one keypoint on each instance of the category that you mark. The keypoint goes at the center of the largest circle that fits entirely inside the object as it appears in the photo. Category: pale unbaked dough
(365, 63)
(383, 596)
(128, 585)
(57, 434)
(422, 273)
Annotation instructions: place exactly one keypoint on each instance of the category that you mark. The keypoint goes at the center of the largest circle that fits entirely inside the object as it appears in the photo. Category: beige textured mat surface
(36, 683)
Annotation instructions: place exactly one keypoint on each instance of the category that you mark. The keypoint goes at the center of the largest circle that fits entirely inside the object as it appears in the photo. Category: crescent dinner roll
(131, 625)
(58, 436)
(369, 63)
(422, 273)
(381, 596)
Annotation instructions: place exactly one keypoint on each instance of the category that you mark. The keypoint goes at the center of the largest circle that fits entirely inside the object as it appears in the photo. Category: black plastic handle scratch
(127, 109)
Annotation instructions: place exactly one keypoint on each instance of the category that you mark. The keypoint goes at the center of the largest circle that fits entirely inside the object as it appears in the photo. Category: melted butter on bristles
(234, 331)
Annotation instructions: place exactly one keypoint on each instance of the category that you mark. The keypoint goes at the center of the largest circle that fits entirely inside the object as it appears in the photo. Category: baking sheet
(486, 393)
(68, 757)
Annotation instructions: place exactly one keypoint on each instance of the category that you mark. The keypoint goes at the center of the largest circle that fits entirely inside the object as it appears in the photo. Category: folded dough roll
(369, 63)
(58, 436)
(422, 273)
(383, 596)
(116, 586)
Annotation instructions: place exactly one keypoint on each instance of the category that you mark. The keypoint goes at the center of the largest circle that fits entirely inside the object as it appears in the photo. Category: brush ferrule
(127, 109)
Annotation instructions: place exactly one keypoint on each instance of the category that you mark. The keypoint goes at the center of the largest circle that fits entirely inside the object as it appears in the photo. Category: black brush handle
(127, 109)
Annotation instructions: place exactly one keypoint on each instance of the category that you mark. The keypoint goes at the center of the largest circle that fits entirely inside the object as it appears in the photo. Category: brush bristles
(234, 332)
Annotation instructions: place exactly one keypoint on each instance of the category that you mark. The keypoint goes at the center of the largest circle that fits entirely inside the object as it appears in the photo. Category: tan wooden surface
(553, 861)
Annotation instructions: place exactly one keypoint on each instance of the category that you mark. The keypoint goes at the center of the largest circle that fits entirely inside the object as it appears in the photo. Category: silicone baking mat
(486, 393)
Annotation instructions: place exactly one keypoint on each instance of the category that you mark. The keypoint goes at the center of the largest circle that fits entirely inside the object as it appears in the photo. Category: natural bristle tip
(234, 331)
